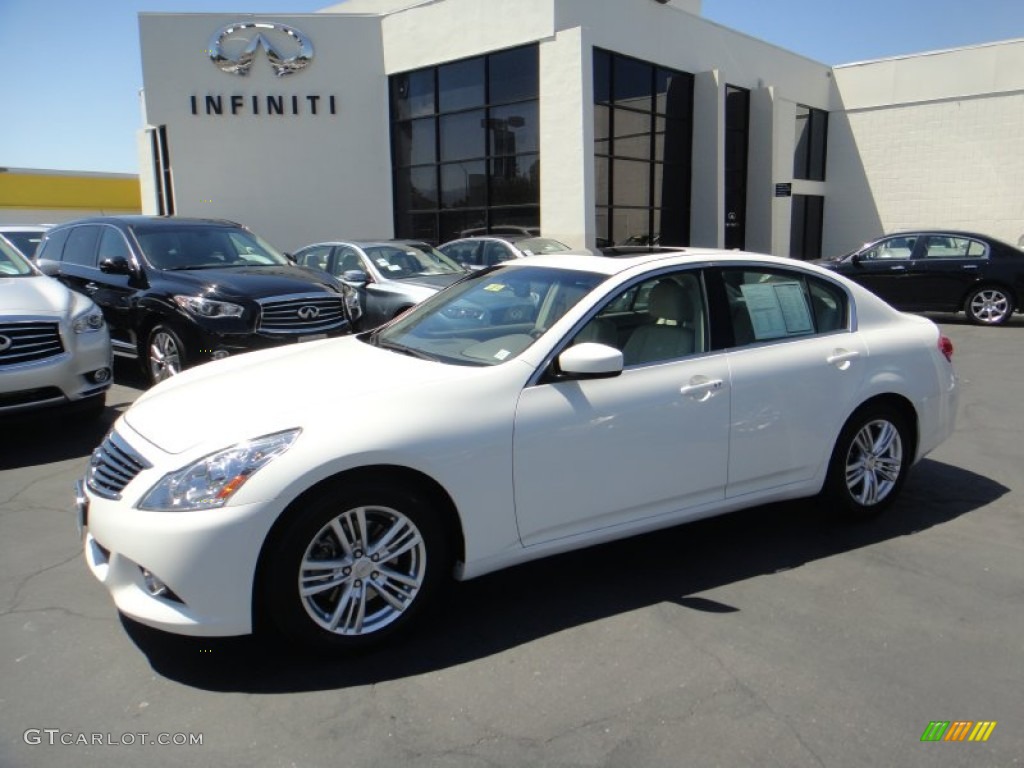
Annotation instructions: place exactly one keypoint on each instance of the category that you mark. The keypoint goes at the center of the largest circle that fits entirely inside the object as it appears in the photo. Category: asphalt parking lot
(771, 637)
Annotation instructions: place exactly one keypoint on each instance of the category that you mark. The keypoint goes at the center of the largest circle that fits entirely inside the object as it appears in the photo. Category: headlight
(87, 322)
(203, 307)
(211, 481)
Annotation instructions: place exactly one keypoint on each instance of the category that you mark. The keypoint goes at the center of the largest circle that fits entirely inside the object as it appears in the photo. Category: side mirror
(47, 267)
(855, 259)
(116, 266)
(355, 277)
(590, 361)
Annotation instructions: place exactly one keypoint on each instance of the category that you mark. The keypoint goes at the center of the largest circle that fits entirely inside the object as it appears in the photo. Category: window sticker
(394, 268)
(501, 354)
(777, 309)
(495, 287)
(383, 263)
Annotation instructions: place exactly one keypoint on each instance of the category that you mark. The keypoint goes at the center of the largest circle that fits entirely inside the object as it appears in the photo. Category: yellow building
(31, 196)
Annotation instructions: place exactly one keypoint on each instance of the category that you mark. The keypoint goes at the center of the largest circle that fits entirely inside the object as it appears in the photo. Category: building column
(567, 139)
(707, 206)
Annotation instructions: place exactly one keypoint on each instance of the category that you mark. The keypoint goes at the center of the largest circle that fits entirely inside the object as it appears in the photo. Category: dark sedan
(940, 271)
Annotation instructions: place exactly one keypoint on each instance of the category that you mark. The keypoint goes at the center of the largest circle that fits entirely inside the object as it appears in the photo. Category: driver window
(659, 319)
(113, 246)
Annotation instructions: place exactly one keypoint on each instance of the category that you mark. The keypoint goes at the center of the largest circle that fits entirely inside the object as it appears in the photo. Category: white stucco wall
(929, 140)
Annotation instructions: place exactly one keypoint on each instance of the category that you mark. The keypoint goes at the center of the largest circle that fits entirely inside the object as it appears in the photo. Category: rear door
(944, 270)
(796, 370)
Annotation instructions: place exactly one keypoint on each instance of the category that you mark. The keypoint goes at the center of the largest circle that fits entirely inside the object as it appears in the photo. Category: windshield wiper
(403, 349)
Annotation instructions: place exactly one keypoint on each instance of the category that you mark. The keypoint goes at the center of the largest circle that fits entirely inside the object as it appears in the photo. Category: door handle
(701, 388)
(91, 287)
(969, 267)
(897, 268)
(841, 358)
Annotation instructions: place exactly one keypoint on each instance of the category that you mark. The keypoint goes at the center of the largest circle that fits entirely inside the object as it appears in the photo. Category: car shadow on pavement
(492, 614)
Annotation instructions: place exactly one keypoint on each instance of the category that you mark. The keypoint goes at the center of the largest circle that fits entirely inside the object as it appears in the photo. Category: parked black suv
(176, 292)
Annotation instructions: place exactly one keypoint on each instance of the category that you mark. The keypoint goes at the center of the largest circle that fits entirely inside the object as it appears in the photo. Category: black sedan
(940, 271)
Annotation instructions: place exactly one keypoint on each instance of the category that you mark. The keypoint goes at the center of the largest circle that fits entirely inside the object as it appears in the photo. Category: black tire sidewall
(279, 587)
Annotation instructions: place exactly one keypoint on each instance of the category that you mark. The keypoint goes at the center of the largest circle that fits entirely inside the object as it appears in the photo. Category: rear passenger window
(52, 247)
(81, 246)
(768, 305)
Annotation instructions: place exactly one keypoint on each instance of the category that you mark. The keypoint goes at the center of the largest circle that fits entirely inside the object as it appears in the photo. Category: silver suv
(54, 343)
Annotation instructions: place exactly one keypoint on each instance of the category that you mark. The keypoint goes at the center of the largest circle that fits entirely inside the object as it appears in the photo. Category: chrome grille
(112, 466)
(29, 341)
(311, 313)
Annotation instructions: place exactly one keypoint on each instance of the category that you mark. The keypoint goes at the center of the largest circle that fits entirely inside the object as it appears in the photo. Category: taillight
(946, 348)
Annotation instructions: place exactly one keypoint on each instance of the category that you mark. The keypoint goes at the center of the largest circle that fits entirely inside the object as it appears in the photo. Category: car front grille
(112, 466)
(27, 342)
(313, 313)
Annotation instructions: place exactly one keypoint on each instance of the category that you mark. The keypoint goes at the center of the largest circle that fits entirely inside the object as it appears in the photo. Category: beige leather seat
(666, 338)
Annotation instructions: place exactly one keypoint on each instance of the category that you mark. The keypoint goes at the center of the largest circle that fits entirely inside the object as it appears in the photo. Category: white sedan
(551, 403)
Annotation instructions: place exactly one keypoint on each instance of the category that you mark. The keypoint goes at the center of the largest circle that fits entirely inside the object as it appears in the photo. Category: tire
(989, 305)
(164, 354)
(387, 555)
(870, 462)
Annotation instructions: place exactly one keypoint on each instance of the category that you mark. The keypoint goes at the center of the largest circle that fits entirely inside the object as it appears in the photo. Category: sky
(72, 69)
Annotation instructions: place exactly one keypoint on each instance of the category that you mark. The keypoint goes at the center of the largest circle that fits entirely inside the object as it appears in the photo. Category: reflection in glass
(462, 136)
(415, 142)
(512, 75)
(412, 94)
(461, 85)
(464, 184)
(515, 179)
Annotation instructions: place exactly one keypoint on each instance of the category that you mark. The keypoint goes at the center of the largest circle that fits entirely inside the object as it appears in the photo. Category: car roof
(135, 220)
(586, 262)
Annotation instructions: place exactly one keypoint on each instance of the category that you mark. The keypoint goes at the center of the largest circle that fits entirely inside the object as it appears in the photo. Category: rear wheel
(989, 305)
(354, 567)
(870, 461)
(165, 354)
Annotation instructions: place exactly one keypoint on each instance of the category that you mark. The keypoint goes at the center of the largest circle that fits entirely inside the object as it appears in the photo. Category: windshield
(487, 318)
(12, 263)
(206, 247)
(531, 246)
(26, 242)
(398, 262)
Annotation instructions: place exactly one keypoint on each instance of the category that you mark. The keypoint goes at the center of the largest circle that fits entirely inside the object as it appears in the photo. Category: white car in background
(540, 406)
(54, 344)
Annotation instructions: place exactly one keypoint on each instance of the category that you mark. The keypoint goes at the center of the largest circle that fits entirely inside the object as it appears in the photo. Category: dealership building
(593, 122)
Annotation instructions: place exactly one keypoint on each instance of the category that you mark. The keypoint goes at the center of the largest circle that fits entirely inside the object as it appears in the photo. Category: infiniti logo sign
(309, 313)
(233, 47)
(5, 343)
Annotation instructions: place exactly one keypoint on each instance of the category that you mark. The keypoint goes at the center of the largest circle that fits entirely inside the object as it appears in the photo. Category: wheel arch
(902, 404)
(419, 483)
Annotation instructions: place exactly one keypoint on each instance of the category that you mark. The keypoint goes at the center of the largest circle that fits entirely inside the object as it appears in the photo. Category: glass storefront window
(642, 151)
(480, 150)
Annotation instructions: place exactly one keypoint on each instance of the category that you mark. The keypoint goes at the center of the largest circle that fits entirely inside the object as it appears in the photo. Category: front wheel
(870, 462)
(354, 567)
(989, 305)
(165, 354)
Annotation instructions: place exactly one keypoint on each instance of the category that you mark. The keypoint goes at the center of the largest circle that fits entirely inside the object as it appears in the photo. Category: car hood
(263, 392)
(35, 294)
(253, 282)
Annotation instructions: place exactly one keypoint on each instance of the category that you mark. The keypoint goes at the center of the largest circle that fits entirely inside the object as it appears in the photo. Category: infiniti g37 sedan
(621, 396)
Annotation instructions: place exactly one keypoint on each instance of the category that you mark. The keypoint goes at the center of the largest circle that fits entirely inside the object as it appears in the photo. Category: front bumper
(206, 559)
(64, 379)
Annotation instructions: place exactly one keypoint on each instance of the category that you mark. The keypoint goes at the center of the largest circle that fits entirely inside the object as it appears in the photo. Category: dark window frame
(810, 151)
